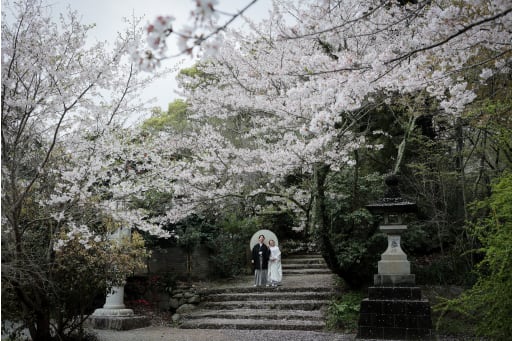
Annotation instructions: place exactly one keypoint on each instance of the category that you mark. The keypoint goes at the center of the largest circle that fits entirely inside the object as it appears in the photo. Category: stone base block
(118, 322)
(394, 293)
(394, 333)
(394, 280)
(113, 312)
(382, 317)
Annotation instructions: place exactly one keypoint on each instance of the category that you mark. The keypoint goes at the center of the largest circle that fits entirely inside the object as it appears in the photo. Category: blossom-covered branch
(203, 34)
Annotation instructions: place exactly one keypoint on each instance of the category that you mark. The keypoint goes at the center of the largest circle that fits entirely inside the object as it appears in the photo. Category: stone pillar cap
(390, 229)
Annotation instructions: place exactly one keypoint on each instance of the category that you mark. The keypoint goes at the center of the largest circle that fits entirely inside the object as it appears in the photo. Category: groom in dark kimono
(260, 256)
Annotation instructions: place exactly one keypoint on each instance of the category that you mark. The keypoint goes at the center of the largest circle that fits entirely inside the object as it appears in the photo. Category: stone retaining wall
(156, 284)
(175, 260)
(183, 300)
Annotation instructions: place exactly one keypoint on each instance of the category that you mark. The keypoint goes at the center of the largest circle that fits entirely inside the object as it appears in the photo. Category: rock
(175, 318)
(174, 303)
(186, 308)
(194, 299)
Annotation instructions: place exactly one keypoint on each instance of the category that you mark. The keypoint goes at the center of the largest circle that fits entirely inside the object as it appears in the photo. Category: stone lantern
(394, 308)
(114, 314)
(393, 268)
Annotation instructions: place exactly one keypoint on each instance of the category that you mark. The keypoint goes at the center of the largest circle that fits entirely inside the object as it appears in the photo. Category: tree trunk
(320, 218)
(355, 188)
(41, 330)
(459, 167)
(401, 148)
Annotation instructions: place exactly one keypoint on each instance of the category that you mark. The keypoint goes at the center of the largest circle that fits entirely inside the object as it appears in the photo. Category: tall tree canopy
(297, 90)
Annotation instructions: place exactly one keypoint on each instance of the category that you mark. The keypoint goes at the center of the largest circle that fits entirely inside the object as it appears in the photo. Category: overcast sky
(108, 16)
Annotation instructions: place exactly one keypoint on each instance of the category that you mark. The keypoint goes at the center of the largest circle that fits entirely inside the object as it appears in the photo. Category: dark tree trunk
(325, 245)
(42, 327)
(459, 167)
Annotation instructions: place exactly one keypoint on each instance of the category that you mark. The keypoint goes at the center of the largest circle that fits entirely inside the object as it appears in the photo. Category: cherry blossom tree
(69, 170)
(303, 82)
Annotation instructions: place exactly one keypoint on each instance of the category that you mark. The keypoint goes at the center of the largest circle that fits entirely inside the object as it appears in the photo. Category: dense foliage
(489, 302)
(229, 246)
(343, 312)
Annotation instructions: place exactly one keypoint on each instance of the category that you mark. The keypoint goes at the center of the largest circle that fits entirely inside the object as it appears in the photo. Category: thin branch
(447, 39)
(335, 28)
(54, 141)
(125, 91)
(200, 40)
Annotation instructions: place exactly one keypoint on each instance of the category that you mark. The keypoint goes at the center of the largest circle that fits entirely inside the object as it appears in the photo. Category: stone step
(312, 315)
(303, 266)
(307, 255)
(298, 304)
(305, 271)
(268, 296)
(213, 323)
(267, 290)
(275, 304)
(249, 288)
(305, 261)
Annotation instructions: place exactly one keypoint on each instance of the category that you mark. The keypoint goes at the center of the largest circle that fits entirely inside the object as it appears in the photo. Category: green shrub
(351, 231)
(230, 246)
(489, 301)
(343, 312)
(449, 269)
(294, 247)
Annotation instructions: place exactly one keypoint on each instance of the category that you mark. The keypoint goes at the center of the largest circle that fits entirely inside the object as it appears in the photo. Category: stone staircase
(298, 304)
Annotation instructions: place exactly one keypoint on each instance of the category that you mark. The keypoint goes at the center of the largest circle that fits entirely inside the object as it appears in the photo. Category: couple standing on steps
(267, 263)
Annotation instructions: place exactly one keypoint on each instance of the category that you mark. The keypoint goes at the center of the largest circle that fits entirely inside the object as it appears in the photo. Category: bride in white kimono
(275, 271)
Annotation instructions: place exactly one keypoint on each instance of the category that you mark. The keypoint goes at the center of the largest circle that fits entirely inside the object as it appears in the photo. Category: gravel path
(175, 334)
(163, 333)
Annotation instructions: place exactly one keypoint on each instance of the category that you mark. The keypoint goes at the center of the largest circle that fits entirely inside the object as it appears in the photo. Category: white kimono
(275, 271)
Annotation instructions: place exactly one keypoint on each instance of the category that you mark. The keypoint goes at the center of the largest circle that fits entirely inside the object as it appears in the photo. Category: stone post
(393, 268)
(114, 304)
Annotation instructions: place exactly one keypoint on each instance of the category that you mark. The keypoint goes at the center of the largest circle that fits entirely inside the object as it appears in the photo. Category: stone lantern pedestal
(114, 314)
(393, 268)
(394, 308)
